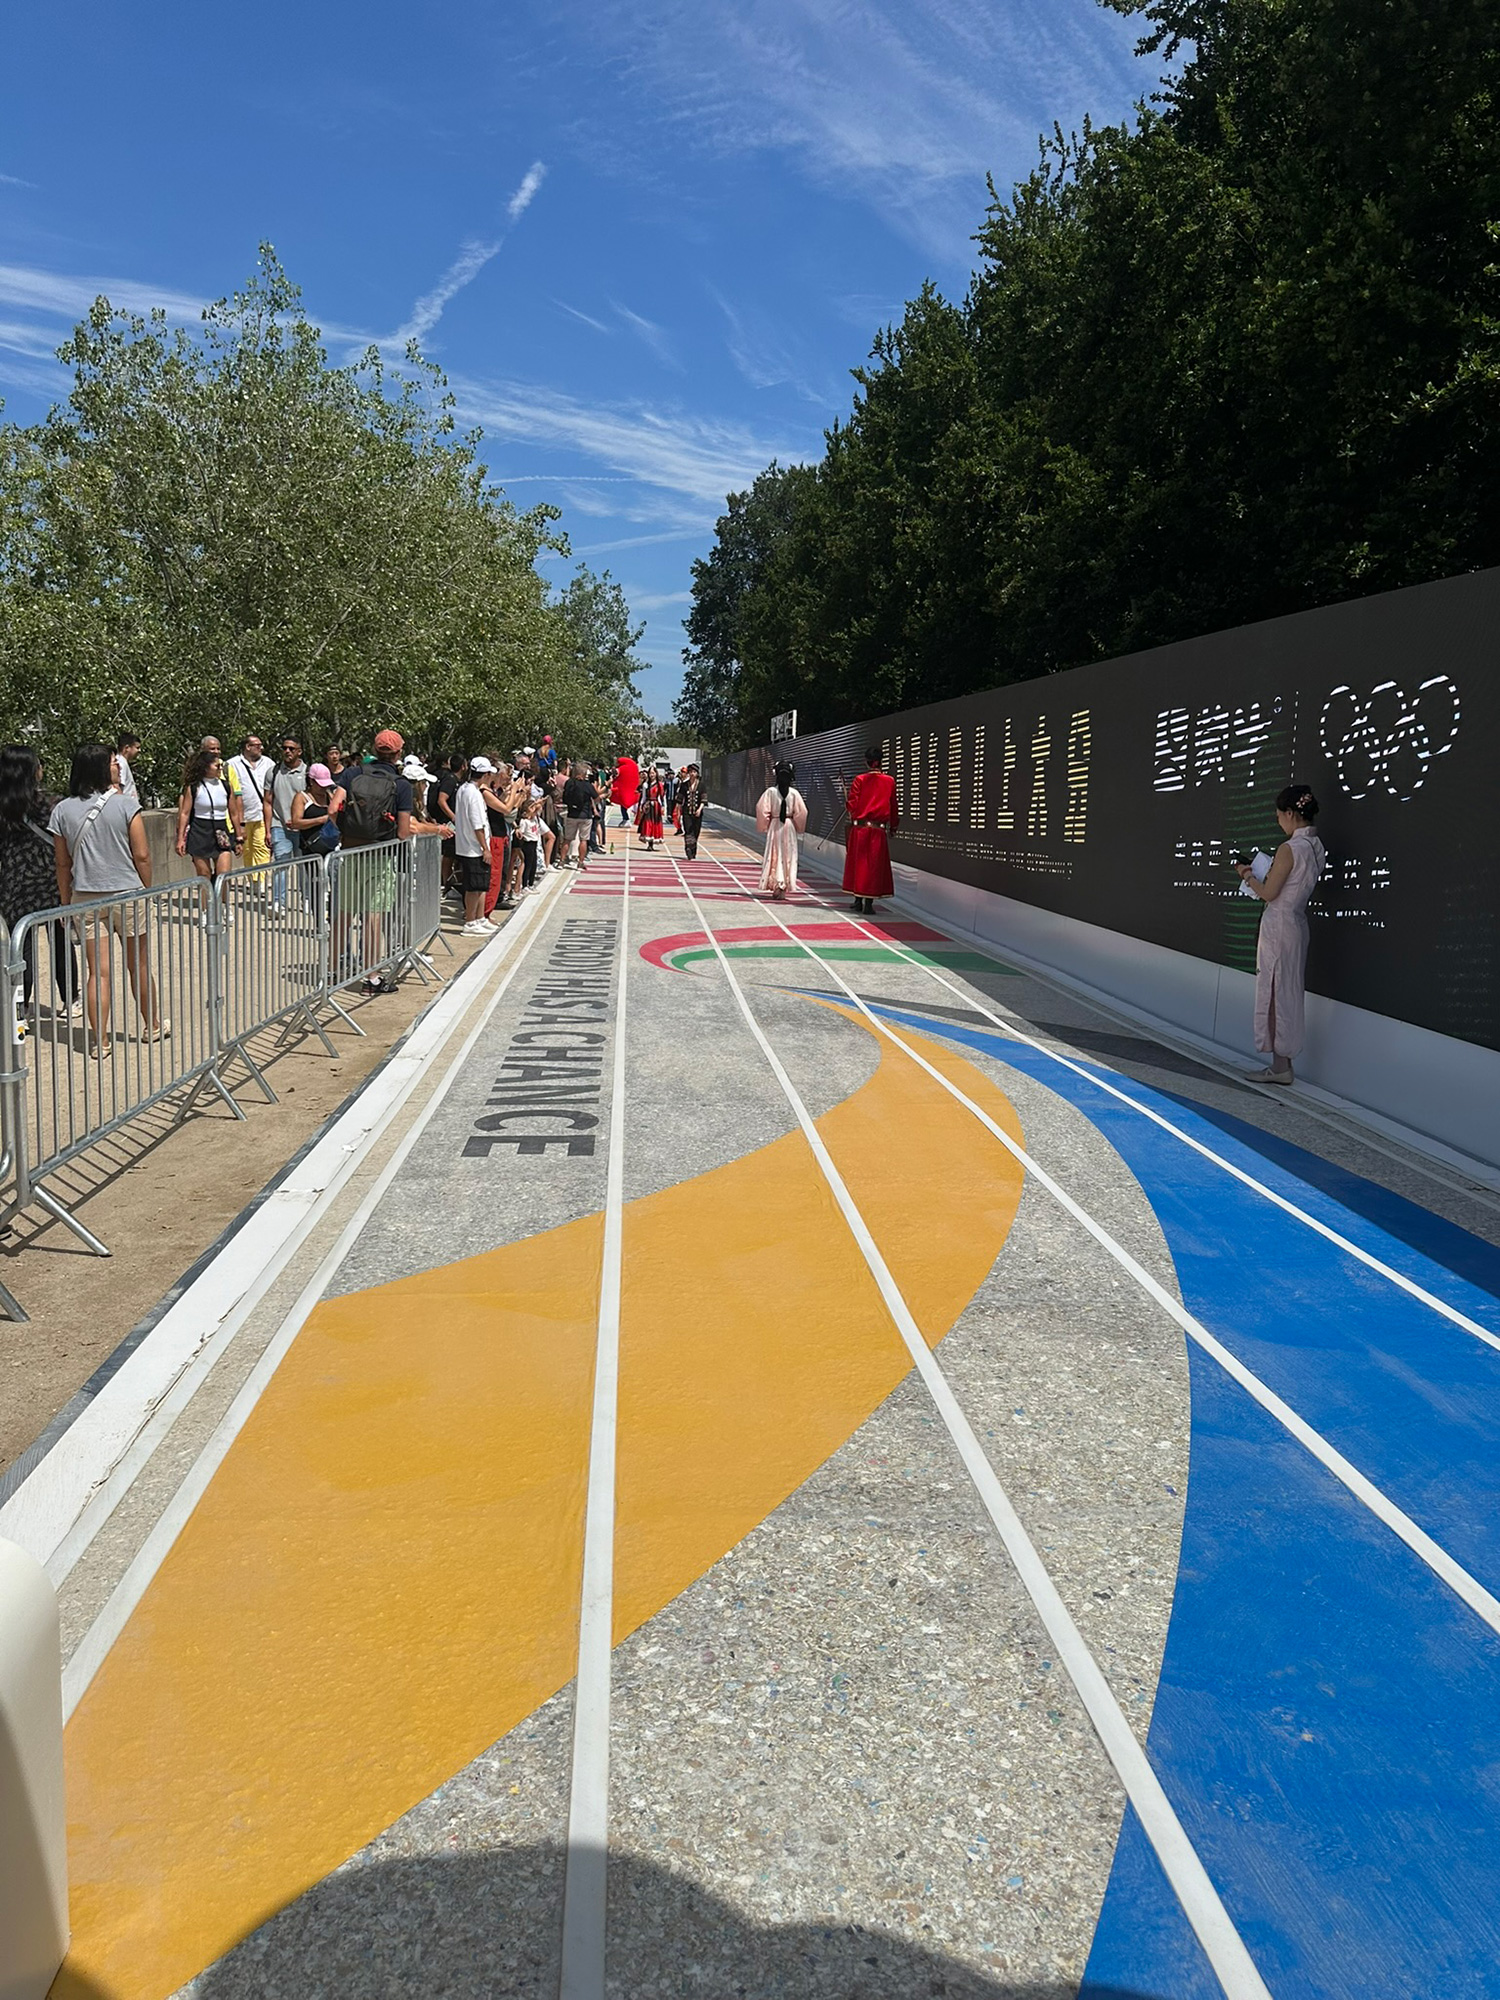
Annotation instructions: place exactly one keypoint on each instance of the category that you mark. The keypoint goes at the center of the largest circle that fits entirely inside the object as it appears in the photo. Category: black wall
(1119, 793)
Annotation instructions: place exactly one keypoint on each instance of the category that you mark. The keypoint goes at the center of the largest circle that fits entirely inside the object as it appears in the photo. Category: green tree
(221, 531)
(1237, 358)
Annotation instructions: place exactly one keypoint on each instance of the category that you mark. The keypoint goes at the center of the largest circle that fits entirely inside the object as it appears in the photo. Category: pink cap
(320, 774)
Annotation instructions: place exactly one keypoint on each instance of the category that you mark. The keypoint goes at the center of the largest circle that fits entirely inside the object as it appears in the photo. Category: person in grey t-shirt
(99, 843)
(287, 785)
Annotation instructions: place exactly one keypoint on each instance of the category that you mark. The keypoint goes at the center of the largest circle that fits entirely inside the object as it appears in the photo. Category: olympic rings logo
(1387, 740)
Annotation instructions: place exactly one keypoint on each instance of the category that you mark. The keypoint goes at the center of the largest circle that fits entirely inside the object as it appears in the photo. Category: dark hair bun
(1298, 799)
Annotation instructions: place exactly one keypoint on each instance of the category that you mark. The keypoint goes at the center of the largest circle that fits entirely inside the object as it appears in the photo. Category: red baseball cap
(387, 739)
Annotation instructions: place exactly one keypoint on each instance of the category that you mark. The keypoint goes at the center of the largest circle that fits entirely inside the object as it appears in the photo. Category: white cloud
(428, 309)
(19, 338)
(695, 458)
(587, 318)
(677, 535)
(656, 600)
(649, 334)
(906, 102)
(70, 298)
(15, 181)
(464, 269)
(764, 354)
(525, 194)
(44, 379)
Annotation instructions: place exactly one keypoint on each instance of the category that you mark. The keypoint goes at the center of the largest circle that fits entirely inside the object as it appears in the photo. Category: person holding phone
(1281, 948)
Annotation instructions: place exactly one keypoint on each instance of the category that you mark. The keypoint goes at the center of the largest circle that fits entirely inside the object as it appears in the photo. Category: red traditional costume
(872, 820)
(649, 821)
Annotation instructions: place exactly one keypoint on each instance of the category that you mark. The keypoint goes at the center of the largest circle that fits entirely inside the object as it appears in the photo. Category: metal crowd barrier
(112, 1006)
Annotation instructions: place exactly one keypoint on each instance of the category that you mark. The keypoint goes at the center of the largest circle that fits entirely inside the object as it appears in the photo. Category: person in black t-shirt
(440, 796)
(578, 800)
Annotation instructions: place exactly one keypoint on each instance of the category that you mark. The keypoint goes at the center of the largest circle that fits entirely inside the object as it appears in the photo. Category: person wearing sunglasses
(289, 782)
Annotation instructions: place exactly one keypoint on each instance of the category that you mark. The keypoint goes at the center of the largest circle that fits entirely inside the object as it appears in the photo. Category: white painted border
(63, 1502)
(586, 1882)
(1431, 1092)
(1222, 1944)
(1444, 1566)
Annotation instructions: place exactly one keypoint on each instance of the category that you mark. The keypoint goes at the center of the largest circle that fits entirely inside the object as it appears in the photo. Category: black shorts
(475, 869)
(202, 839)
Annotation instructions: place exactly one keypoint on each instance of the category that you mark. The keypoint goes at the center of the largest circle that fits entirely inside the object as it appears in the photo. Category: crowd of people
(505, 822)
(514, 821)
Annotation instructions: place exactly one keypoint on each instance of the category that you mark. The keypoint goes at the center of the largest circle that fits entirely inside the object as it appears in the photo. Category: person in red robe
(650, 821)
(626, 788)
(873, 814)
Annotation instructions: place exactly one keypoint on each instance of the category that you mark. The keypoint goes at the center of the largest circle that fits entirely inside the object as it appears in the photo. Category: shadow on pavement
(487, 1925)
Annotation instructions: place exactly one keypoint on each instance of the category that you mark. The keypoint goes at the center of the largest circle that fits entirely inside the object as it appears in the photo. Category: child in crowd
(529, 841)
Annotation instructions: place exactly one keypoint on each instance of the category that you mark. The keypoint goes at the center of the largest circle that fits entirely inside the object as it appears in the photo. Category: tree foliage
(220, 531)
(1235, 359)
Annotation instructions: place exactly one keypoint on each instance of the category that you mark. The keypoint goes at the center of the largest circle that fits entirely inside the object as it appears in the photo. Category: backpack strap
(88, 822)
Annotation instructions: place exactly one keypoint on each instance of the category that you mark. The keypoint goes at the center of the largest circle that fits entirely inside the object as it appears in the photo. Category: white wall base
(1423, 1089)
(33, 1852)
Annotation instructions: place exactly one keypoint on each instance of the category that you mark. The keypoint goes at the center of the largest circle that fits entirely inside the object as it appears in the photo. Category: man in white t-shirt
(127, 749)
(254, 773)
(471, 848)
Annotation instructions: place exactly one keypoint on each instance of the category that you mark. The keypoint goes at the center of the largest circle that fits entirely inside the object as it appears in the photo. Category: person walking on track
(873, 817)
(578, 816)
(781, 815)
(626, 788)
(651, 820)
(691, 801)
(1281, 948)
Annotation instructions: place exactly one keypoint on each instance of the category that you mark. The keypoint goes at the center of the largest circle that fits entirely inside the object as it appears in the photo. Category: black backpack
(369, 809)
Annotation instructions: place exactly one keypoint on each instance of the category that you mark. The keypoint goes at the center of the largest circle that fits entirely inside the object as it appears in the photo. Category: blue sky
(646, 239)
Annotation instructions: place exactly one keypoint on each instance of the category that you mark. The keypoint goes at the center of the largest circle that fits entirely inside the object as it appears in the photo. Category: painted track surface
(844, 1756)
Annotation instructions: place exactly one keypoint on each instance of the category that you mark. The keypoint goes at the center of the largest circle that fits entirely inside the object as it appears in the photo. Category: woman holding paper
(1281, 949)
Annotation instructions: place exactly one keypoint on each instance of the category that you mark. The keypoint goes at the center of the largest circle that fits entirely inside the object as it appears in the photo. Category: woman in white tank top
(210, 816)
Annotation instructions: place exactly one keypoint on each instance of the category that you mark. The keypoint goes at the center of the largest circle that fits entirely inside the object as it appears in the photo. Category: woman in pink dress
(1281, 949)
(781, 814)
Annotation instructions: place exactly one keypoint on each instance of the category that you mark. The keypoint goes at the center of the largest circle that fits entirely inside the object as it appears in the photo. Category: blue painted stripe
(1328, 1718)
(1409, 1398)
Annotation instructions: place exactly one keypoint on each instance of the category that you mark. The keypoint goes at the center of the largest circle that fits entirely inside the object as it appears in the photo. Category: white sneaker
(479, 929)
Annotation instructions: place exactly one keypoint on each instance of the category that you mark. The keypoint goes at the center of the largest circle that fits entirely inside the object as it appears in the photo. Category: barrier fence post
(33, 1847)
(12, 1085)
(216, 1038)
(112, 1005)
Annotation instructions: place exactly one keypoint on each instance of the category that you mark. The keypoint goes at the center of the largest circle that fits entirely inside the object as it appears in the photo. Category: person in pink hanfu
(781, 815)
(1281, 948)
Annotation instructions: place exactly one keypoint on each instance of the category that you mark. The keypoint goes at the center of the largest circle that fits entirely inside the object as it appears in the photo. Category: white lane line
(586, 1883)
(64, 1501)
(1365, 1257)
(153, 1552)
(1221, 1942)
(1422, 1545)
